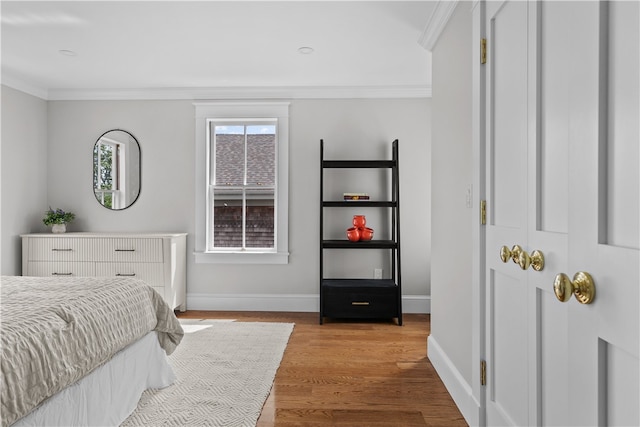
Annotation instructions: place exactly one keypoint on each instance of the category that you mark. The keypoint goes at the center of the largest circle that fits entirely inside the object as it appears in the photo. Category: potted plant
(58, 219)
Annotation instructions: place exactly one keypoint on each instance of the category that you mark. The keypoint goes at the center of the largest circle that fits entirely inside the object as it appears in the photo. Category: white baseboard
(420, 304)
(459, 389)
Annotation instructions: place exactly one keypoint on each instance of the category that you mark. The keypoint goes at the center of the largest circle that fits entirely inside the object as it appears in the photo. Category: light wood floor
(352, 374)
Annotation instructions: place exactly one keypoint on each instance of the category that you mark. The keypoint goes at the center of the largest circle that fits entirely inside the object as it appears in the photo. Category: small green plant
(57, 216)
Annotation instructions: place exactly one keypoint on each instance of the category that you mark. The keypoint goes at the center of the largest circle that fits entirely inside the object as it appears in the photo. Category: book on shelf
(355, 196)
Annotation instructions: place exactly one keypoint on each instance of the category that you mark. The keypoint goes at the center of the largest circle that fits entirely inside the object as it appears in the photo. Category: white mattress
(108, 395)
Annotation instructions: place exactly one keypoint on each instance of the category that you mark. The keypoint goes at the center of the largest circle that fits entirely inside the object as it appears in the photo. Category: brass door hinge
(483, 51)
(483, 372)
(483, 212)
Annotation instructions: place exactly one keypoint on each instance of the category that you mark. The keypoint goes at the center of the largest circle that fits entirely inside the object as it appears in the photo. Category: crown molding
(23, 86)
(297, 92)
(222, 93)
(436, 24)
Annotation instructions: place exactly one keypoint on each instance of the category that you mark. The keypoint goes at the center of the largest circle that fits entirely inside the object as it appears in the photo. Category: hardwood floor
(352, 374)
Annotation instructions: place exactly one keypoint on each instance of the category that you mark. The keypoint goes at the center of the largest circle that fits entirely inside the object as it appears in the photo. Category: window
(242, 182)
(107, 157)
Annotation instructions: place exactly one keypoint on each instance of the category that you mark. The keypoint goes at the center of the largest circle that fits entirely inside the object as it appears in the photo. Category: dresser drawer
(60, 268)
(152, 273)
(360, 302)
(59, 249)
(129, 250)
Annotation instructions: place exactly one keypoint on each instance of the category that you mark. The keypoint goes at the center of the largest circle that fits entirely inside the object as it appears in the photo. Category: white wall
(23, 173)
(165, 131)
(451, 178)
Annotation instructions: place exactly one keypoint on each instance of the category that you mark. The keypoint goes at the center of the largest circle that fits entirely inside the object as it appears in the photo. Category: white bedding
(110, 393)
(56, 330)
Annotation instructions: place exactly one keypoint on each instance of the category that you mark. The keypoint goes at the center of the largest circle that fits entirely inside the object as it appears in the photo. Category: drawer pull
(125, 250)
(125, 274)
(61, 274)
(360, 303)
(61, 250)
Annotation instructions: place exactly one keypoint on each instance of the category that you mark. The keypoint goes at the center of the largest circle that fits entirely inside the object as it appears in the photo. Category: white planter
(59, 228)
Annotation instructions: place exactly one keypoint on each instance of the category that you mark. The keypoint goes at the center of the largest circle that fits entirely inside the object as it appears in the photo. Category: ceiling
(62, 48)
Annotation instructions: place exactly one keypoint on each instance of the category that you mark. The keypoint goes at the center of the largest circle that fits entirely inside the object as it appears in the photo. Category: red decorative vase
(366, 233)
(353, 234)
(359, 221)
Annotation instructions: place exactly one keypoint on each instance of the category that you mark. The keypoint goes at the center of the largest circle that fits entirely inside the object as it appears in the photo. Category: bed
(80, 350)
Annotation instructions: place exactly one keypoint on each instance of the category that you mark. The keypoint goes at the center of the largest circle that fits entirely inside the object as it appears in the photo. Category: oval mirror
(116, 169)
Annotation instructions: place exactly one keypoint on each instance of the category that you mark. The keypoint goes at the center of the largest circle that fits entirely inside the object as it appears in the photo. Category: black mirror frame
(139, 169)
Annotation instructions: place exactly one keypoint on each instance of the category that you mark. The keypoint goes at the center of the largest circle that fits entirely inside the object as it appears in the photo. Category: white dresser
(158, 259)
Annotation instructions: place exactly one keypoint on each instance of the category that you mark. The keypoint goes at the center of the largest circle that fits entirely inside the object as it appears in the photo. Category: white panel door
(604, 236)
(562, 122)
(507, 295)
(549, 102)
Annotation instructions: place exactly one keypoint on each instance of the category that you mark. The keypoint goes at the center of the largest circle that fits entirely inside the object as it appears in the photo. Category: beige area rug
(225, 371)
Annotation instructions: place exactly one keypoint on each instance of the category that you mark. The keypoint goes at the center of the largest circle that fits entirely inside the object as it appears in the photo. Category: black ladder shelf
(362, 298)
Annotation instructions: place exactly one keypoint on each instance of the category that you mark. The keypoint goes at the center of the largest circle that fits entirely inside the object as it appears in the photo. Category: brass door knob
(582, 287)
(514, 253)
(535, 260)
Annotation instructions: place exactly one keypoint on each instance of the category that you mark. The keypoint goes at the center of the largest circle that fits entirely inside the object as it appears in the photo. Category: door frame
(478, 268)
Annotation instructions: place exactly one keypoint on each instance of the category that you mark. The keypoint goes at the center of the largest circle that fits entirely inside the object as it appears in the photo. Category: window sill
(241, 257)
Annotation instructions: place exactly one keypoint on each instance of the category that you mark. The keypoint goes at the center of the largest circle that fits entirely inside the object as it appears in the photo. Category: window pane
(227, 219)
(244, 163)
(261, 153)
(229, 149)
(260, 219)
(106, 167)
(96, 166)
(108, 200)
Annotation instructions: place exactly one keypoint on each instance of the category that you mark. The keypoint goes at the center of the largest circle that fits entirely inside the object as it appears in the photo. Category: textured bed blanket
(56, 330)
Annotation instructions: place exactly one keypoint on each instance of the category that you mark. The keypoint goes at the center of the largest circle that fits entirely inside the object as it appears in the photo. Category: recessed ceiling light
(305, 50)
(67, 52)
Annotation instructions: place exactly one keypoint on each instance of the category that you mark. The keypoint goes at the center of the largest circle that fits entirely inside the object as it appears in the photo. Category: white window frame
(242, 188)
(208, 111)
